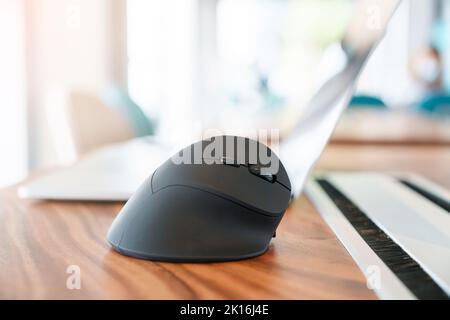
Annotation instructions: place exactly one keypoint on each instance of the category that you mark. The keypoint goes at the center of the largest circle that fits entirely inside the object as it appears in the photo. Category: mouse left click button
(258, 170)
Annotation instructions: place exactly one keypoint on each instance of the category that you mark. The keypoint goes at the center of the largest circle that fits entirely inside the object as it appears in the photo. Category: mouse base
(180, 259)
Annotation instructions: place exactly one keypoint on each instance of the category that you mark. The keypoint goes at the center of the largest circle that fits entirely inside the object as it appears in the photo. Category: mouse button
(282, 177)
(236, 184)
(233, 183)
(270, 175)
(167, 174)
(269, 198)
(195, 175)
(258, 171)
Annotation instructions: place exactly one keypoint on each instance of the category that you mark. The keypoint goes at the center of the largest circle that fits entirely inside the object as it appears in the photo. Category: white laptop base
(396, 227)
(111, 173)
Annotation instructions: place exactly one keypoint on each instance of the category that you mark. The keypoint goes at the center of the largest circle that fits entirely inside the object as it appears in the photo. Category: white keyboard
(396, 227)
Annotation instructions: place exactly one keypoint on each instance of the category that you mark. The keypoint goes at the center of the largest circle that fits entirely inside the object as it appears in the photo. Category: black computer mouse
(219, 199)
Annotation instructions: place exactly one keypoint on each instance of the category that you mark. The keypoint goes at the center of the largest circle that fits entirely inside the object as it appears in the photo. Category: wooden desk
(387, 126)
(39, 240)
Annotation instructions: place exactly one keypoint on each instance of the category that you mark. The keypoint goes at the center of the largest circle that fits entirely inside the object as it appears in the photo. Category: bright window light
(12, 94)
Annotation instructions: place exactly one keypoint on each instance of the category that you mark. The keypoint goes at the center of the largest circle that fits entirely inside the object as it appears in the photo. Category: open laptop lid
(303, 146)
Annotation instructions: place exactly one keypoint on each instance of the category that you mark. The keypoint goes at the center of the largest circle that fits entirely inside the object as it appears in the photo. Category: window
(268, 54)
(255, 63)
(386, 74)
(227, 63)
(161, 71)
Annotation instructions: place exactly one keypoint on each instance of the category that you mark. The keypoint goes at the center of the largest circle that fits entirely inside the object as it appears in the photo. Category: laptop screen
(303, 146)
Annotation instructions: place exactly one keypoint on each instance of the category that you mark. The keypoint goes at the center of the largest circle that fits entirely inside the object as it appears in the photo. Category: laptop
(402, 243)
(114, 172)
(110, 173)
(400, 236)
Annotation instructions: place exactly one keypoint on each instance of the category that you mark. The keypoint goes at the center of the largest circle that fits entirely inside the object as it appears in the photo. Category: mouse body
(216, 200)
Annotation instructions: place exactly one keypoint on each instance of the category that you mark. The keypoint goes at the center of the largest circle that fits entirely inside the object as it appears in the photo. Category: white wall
(12, 93)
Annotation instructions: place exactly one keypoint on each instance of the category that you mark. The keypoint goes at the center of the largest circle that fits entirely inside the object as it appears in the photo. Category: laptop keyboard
(440, 202)
(408, 271)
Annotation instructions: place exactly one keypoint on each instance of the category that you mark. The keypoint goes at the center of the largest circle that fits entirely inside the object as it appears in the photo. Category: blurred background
(79, 74)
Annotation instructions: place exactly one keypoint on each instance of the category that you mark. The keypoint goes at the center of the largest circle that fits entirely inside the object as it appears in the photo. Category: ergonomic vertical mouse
(219, 199)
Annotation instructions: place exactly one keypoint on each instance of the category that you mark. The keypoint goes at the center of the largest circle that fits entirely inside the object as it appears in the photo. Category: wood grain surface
(40, 239)
(390, 126)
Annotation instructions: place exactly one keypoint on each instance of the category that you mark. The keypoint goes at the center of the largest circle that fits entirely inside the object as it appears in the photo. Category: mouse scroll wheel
(257, 170)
